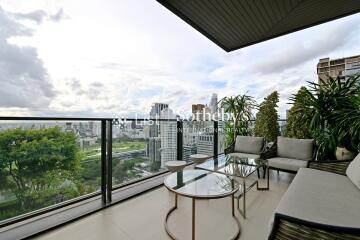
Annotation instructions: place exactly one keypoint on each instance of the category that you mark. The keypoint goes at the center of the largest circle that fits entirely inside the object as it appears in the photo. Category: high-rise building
(153, 149)
(197, 111)
(155, 112)
(213, 103)
(195, 108)
(154, 143)
(156, 109)
(205, 144)
(343, 67)
(168, 130)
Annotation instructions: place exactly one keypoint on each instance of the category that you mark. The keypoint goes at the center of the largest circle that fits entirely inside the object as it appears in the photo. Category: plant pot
(344, 154)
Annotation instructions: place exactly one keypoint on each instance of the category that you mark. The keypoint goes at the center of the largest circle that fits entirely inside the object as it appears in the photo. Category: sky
(117, 57)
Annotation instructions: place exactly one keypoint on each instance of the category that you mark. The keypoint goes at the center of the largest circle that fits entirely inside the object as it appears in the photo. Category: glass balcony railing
(49, 163)
(198, 137)
(140, 149)
(45, 163)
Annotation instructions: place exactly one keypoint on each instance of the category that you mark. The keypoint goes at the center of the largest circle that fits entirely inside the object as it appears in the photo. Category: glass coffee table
(200, 184)
(234, 166)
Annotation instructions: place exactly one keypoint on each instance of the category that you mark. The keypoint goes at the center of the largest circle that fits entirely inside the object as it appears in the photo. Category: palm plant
(348, 121)
(240, 107)
(332, 111)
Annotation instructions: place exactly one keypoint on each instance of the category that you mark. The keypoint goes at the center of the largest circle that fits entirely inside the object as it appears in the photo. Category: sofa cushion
(245, 155)
(322, 197)
(247, 144)
(287, 163)
(295, 148)
(353, 171)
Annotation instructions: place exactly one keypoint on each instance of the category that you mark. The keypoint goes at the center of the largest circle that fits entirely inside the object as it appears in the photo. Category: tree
(240, 108)
(266, 124)
(299, 117)
(37, 163)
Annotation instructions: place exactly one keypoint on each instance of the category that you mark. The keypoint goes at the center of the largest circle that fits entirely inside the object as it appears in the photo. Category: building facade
(168, 135)
(342, 67)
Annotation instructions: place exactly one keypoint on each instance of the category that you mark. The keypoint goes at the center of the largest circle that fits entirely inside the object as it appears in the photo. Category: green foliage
(240, 107)
(298, 121)
(333, 105)
(124, 169)
(39, 166)
(155, 166)
(266, 124)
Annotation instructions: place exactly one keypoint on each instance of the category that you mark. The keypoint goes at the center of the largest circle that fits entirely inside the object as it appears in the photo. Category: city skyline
(58, 65)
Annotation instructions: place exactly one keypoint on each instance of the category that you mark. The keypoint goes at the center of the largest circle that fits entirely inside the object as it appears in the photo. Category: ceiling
(234, 24)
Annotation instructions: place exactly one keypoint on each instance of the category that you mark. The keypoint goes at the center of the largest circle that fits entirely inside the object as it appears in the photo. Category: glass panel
(221, 137)
(141, 149)
(198, 138)
(232, 165)
(43, 163)
(199, 183)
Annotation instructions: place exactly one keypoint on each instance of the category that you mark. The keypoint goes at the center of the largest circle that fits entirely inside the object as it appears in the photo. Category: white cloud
(24, 80)
(118, 58)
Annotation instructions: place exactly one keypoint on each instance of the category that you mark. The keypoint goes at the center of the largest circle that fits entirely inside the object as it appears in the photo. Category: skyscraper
(213, 103)
(155, 112)
(168, 136)
(153, 149)
(154, 144)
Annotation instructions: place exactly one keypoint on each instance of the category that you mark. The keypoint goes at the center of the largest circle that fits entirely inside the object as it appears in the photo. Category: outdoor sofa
(322, 202)
(289, 154)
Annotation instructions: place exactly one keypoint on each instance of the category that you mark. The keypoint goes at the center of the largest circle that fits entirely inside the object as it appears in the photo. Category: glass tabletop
(201, 184)
(232, 165)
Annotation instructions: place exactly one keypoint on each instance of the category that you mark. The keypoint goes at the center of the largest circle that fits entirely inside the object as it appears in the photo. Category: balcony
(115, 167)
(108, 178)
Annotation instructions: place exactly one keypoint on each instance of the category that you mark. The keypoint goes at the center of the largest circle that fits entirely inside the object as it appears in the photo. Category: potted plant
(333, 107)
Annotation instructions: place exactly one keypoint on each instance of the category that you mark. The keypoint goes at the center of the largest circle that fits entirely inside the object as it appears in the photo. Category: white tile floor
(142, 218)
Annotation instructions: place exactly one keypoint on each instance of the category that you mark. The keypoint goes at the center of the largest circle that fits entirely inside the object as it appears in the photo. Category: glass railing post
(216, 132)
(179, 141)
(109, 161)
(103, 161)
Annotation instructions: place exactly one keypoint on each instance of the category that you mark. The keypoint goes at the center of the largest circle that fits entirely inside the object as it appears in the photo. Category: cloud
(36, 16)
(120, 63)
(338, 37)
(39, 16)
(59, 15)
(24, 80)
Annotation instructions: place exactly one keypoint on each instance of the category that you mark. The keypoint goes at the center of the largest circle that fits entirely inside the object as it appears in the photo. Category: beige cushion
(245, 155)
(247, 144)
(322, 197)
(295, 148)
(287, 163)
(353, 171)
